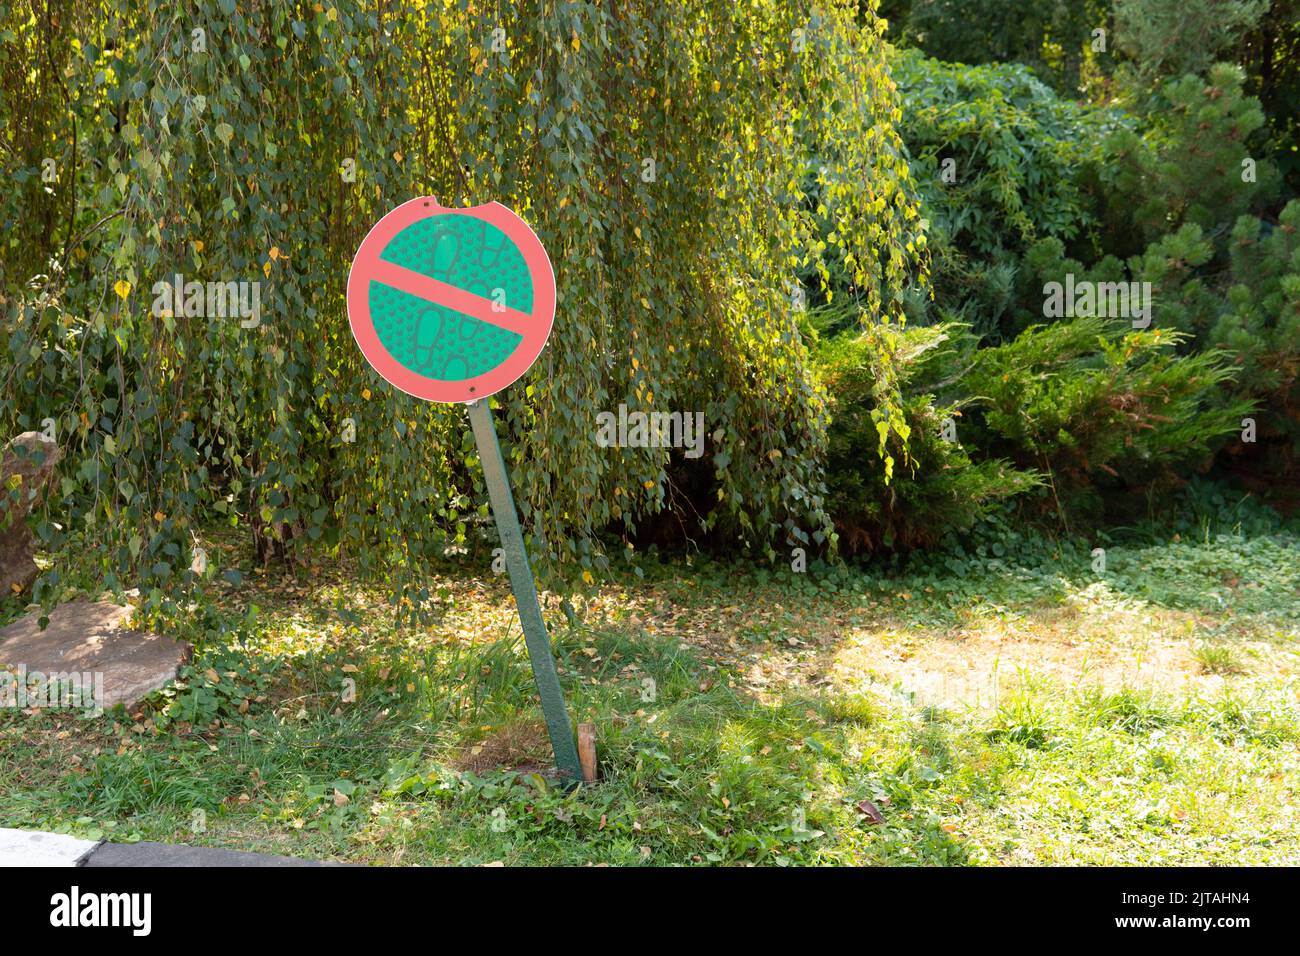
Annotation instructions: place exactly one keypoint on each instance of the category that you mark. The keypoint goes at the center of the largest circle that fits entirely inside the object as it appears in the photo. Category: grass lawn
(1005, 707)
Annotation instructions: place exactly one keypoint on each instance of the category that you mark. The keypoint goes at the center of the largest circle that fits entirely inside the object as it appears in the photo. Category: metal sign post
(521, 582)
(453, 305)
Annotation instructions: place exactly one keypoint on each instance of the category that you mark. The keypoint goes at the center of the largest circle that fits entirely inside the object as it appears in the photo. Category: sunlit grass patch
(933, 718)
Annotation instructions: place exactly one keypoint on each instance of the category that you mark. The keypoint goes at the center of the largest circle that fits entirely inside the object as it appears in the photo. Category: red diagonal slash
(442, 293)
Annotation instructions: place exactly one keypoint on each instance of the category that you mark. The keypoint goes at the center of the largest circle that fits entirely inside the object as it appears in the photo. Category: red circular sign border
(436, 390)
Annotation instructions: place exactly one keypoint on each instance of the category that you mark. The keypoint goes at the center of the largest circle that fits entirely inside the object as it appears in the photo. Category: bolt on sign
(454, 305)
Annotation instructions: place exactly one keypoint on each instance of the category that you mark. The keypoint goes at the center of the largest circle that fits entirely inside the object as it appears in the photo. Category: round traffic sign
(451, 305)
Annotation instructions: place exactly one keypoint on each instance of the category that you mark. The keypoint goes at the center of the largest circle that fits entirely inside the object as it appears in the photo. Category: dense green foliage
(1052, 37)
(1163, 38)
(1105, 418)
(938, 489)
(1169, 180)
(659, 151)
(688, 181)
(1104, 412)
(1195, 161)
(1262, 326)
(1123, 48)
(996, 156)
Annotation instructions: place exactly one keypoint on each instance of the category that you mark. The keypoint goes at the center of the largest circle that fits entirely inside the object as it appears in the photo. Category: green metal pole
(521, 582)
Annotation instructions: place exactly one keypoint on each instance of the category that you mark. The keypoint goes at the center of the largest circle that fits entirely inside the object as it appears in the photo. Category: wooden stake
(587, 751)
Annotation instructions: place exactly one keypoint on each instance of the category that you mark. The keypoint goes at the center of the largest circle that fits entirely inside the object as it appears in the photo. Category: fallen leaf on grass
(871, 812)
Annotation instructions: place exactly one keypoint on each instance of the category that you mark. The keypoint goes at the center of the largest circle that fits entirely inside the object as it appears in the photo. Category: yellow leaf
(576, 44)
(637, 231)
(274, 253)
(365, 393)
(645, 303)
(266, 268)
(158, 516)
(122, 288)
(586, 576)
(649, 484)
(198, 245)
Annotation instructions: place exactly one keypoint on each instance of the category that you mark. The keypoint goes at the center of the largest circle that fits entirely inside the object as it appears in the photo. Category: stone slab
(85, 637)
(33, 848)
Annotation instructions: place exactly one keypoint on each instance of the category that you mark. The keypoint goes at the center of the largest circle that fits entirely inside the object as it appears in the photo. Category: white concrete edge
(36, 848)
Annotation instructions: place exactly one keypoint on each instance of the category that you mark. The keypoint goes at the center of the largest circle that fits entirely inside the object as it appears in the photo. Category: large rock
(93, 638)
(25, 471)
